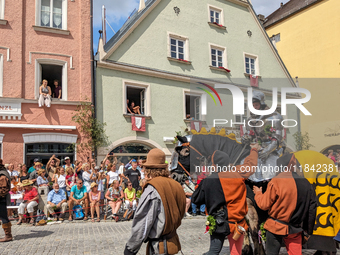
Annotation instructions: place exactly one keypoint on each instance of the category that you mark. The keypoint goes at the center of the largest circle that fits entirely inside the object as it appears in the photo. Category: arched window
(128, 151)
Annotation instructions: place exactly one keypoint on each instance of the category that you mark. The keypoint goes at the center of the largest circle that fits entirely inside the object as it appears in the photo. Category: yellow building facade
(307, 37)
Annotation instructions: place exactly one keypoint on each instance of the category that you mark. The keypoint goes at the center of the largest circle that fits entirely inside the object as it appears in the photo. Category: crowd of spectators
(86, 184)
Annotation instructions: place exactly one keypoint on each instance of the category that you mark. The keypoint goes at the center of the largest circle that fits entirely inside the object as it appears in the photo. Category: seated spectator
(57, 89)
(12, 192)
(31, 199)
(115, 197)
(94, 201)
(45, 94)
(130, 196)
(70, 180)
(60, 178)
(189, 189)
(134, 109)
(78, 196)
(42, 180)
(56, 200)
(23, 175)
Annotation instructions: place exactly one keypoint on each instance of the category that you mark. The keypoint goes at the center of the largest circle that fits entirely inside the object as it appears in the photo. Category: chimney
(141, 5)
(100, 51)
(104, 24)
(261, 18)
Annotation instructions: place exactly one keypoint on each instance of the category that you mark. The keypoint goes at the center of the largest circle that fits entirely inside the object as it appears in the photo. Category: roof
(128, 24)
(287, 10)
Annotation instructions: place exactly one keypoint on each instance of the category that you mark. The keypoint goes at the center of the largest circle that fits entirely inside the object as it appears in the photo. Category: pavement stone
(105, 237)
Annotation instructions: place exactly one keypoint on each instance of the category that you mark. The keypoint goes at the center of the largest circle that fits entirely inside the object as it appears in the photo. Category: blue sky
(117, 12)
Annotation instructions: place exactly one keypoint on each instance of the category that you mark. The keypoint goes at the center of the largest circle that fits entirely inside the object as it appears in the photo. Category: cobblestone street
(98, 238)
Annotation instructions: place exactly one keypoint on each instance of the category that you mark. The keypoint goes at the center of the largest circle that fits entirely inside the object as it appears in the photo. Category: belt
(234, 222)
(163, 238)
(285, 223)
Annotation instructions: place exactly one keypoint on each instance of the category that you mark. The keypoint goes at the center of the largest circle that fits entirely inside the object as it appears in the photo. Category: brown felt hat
(155, 159)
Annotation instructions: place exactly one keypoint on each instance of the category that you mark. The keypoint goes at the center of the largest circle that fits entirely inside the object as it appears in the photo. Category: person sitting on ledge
(56, 199)
(134, 109)
(45, 94)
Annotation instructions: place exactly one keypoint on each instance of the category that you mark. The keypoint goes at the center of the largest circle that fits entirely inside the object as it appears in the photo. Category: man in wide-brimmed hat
(160, 211)
(31, 199)
(5, 187)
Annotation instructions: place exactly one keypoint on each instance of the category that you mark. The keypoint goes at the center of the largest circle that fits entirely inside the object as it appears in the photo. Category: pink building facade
(43, 39)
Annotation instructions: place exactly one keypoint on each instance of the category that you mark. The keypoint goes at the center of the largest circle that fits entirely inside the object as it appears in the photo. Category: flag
(196, 125)
(138, 123)
(254, 81)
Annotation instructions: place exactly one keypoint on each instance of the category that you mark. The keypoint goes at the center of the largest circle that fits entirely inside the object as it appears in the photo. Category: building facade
(42, 40)
(161, 57)
(306, 35)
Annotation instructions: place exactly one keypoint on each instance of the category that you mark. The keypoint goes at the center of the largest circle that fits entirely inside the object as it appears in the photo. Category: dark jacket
(7, 198)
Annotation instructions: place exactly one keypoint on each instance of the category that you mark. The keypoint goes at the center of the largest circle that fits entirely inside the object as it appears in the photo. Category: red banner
(254, 81)
(138, 123)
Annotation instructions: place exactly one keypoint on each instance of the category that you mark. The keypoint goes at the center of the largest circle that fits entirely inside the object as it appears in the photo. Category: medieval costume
(268, 131)
(160, 211)
(291, 203)
(5, 200)
(224, 195)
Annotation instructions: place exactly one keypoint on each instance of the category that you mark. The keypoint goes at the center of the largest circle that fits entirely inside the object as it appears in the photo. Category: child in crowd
(70, 179)
(101, 185)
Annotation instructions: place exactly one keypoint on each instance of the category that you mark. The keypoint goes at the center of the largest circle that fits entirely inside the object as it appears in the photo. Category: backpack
(5, 185)
(40, 216)
(78, 213)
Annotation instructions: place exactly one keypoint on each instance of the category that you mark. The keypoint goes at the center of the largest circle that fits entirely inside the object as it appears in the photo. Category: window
(2, 9)
(216, 15)
(241, 118)
(55, 72)
(45, 150)
(251, 64)
(218, 56)
(193, 107)
(52, 13)
(136, 95)
(178, 47)
(131, 150)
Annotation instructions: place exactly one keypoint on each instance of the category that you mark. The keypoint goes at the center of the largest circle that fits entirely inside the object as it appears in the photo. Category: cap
(66, 158)
(96, 167)
(133, 160)
(36, 160)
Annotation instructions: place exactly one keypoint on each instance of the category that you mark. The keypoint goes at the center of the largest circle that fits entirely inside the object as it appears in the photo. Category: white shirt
(121, 170)
(61, 180)
(13, 173)
(113, 176)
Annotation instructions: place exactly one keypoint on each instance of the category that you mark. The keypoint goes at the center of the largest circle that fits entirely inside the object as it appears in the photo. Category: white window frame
(38, 73)
(2, 145)
(216, 9)
(2, 9)
(243, 116)
(196, 94)
(257, 67)
(224, 54)
(147, 95)
(1, 74)
(181, 38)
(38, 15)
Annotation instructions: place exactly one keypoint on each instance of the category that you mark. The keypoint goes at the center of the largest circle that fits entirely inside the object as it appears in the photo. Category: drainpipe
(93, 81)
